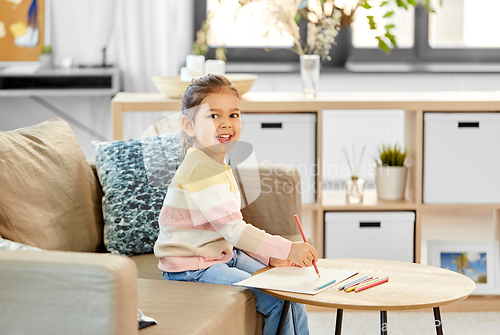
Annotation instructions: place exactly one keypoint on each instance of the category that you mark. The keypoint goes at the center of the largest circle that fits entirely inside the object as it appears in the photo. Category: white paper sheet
(298, 280)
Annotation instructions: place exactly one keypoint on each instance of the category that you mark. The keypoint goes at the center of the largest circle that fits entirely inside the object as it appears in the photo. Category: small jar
(354, 190)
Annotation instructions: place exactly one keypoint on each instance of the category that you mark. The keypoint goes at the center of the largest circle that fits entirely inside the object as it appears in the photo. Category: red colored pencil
(304, 238)
(384, 280)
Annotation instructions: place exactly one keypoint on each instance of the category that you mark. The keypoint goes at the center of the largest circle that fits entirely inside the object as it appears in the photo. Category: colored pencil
(363, 283)
(383, 280)
(325, 285)
(304, 238)
(353, 282)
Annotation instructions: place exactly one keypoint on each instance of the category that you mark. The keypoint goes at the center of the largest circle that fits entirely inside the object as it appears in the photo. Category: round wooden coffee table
(410, 286)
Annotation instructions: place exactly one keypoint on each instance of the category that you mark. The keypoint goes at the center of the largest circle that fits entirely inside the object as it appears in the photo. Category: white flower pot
(390, 182)
(45, 61)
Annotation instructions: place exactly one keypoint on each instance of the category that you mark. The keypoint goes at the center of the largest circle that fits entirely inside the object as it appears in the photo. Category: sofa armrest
(278, 201)
(54, 292)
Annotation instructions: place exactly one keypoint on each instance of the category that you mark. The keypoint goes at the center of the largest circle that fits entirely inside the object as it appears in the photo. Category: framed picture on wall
(480, 261)
(22, 30)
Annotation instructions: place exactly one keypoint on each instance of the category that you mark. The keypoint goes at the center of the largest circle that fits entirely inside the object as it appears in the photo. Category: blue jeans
(241, 267)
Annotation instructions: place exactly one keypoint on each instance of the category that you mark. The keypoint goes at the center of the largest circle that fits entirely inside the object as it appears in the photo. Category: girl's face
(217, 124)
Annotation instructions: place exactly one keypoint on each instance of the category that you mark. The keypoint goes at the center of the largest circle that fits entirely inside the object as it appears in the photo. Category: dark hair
(198, 90)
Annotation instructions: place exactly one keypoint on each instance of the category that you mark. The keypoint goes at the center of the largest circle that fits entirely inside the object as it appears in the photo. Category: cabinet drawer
(461, 158)
(372, 235)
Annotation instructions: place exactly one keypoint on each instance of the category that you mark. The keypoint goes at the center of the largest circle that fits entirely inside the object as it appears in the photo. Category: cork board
(30, 34)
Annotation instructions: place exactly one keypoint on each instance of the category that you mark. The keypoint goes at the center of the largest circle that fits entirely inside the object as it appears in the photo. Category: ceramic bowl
(173, 87)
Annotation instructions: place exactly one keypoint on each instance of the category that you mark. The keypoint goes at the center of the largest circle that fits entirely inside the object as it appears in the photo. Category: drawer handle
(369, 225)
(468, 124)
(270, 125)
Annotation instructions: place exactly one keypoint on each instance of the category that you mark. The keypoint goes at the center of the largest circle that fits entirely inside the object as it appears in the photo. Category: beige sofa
(50, 198)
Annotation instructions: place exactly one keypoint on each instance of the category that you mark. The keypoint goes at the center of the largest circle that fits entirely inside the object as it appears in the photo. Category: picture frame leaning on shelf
(480, 261)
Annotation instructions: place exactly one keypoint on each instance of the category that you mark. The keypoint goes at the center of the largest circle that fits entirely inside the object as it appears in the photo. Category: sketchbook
(298, 280)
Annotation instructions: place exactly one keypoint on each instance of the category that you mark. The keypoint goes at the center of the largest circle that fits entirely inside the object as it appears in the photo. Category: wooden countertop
(295, 102)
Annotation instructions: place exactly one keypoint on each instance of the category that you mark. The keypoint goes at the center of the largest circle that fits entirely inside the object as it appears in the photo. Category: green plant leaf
(371, 22)
(389, 26)
(388, 14)
(401, 3)
(220, 53)
(382, 45)
(366, 5)
(412, 2)
(392, 39)
(391, 156)
(384, 3)
(297, 17)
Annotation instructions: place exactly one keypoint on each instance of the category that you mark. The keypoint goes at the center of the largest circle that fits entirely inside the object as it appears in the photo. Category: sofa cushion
(278, 201)
(197, 308)
(134, 176)
(57, 292)
(147, 266)
(49, 197)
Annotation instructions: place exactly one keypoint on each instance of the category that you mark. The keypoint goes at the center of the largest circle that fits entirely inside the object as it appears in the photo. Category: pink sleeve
(271, 244)
(275, 245)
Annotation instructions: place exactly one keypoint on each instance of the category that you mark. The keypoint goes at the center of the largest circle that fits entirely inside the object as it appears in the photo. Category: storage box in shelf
(461, 158)
(372, 235)
(269, 133)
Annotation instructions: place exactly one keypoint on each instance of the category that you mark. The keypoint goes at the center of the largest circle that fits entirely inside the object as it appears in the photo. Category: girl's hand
(276, 262)
(302, 254)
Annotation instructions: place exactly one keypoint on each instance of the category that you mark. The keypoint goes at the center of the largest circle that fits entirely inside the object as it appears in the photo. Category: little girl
(203, 237)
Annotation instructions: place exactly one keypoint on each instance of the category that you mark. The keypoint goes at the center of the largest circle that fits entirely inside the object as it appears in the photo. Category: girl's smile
(224, 138)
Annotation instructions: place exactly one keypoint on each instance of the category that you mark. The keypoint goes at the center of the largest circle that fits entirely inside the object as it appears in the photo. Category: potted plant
(391, 172)
(45, 57)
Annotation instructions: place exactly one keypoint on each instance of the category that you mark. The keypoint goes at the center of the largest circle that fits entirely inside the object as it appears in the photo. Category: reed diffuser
(355, 186)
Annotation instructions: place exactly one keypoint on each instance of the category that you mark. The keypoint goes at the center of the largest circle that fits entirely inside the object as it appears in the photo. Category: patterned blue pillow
(135, 175)
(10, 245)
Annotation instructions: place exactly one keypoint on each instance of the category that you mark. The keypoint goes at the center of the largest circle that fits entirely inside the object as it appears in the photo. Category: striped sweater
(200, 221)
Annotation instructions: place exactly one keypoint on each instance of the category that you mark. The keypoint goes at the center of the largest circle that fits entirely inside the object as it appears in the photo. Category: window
(459, 31)
(233, 25)
(241, 37)
(465, 24)
(364, 37)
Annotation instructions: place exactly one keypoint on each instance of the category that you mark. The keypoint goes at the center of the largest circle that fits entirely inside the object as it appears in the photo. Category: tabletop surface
(410, 286)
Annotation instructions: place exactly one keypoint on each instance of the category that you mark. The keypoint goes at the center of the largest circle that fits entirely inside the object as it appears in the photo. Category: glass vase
(354, 190)
(309, 72)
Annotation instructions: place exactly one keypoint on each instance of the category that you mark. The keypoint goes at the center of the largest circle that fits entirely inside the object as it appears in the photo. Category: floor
(403, 323)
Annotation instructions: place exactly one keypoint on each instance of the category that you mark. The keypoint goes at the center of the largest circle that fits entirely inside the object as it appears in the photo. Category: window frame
(421, 52)
(427, 53)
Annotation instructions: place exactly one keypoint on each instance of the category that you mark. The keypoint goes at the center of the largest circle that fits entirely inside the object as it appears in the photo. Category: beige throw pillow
(49, 197)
